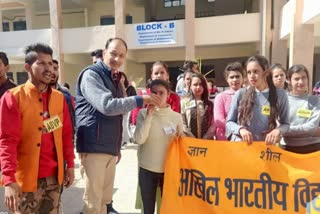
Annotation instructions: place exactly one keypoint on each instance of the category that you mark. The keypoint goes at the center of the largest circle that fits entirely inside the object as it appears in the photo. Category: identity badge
(52, 123)
(169, 130)
(190, 104)
(265, 110)
(306, 113)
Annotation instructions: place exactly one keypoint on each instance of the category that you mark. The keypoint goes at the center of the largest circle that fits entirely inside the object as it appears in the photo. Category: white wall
(136, 11)
(311, 11)
(230, 29)
(74, 63)
(106, 8)
(70, 19)
(41, 20)
(218, 30)
(14, 43)
(311, 15)
(85, 40)
(286, 19)
(98, 9)
(219, 8)
(203, 52)
(136, 72)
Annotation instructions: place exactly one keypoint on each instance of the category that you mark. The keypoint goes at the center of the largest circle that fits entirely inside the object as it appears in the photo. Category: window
(22, 77)
(109, 20)
(19, 25)
(173, 3)
(10, 75)
(106, 20)
(5, 26)
(128, 19)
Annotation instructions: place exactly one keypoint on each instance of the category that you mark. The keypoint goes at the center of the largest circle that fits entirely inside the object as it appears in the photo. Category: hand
(273, 137)
(69, 177)
(122, 79)
(180, 134)
(152, 99)
(150, 109)
(246, 135)
(118, 158)
(12, 196)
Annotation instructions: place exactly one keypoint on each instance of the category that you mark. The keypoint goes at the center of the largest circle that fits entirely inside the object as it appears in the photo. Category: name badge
(301, 112)
(265, 110)
(169, 130)
(190, 104)
(52, 124)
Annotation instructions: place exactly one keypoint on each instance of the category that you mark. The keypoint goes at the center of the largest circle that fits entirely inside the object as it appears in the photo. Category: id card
(52, 124)
(169, 130)
(265, 110)
(306, 113)
(190, 104)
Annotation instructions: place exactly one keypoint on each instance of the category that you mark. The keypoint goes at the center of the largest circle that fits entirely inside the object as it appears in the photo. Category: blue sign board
(156, 33)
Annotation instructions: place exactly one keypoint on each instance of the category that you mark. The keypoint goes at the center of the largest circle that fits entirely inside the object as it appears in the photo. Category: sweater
(302, 124)
(222, 104)
(99, 109)
(153, 133)
(259, 122)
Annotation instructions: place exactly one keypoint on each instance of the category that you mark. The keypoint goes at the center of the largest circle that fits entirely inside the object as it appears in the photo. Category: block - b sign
(156, 33)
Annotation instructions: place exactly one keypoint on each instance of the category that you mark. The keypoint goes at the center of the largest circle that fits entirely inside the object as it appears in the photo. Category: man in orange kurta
(35, 139)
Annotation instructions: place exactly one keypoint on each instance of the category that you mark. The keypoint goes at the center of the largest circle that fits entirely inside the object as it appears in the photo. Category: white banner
(156, 33)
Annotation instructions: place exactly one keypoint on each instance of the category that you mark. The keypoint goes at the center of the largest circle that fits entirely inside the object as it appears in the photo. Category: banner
(156, 33)
(204, 176)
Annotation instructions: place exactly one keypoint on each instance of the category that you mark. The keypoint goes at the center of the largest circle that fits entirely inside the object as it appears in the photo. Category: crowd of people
(40, 120)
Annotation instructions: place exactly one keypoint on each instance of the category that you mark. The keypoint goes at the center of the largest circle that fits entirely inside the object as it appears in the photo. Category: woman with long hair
(260, 111)
(197, 110)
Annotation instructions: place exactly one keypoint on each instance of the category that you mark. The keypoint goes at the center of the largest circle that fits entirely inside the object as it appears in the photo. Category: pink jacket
(222, 104)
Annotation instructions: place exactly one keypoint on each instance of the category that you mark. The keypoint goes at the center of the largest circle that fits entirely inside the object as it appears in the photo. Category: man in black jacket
(99, 108)
(5, 82)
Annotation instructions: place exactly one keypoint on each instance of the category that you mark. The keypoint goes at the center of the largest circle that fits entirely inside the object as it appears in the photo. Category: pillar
(301, 41)
(120, 21)
(279, 47)
(1, 27)
(56, 35)
(29, 13)
(266, 33)
(120, 18)
(189, 29)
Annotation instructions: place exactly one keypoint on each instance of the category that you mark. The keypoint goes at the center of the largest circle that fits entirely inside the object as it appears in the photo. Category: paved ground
(124, 189)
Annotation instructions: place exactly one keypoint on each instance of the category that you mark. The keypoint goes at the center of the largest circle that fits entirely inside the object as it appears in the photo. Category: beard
(53, 82)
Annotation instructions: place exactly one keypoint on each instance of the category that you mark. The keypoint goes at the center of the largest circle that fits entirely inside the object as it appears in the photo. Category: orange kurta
(30, 106)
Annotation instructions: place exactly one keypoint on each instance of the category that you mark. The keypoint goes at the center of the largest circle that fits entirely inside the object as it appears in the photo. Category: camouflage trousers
(45, 201)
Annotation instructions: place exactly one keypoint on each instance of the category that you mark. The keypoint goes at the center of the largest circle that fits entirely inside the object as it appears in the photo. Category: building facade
(214, 32)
